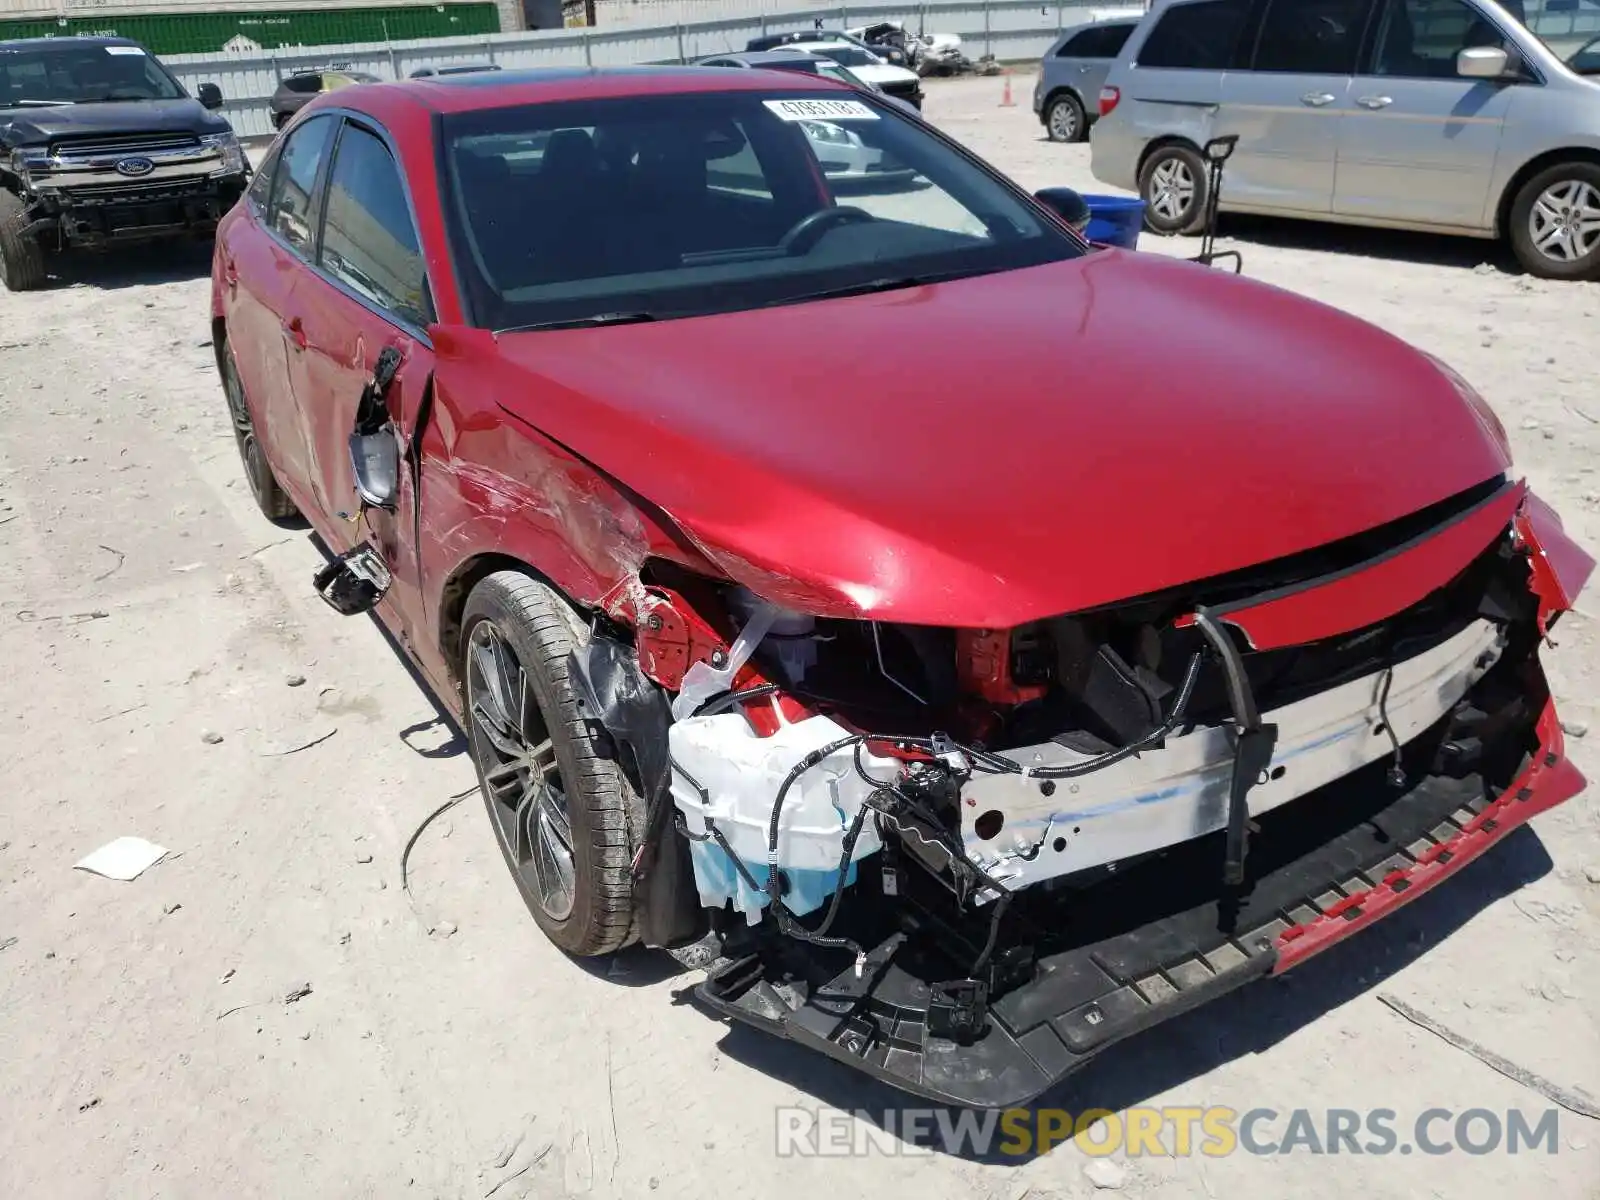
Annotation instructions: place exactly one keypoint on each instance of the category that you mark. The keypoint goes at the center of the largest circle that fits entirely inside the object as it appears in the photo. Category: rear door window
(1099, 41)
(290, 213)
(1200, 36)
(1312, 37)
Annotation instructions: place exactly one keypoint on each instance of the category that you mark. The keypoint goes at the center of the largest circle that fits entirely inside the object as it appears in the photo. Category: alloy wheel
(1564, 222)
(1172, 188)
(517, 762)
(244, 430)
(1063, 122)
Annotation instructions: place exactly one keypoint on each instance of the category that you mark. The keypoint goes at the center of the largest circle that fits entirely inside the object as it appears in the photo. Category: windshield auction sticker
(821, 110)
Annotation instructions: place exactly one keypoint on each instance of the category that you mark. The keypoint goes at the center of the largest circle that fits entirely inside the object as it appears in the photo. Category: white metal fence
(1008, 29)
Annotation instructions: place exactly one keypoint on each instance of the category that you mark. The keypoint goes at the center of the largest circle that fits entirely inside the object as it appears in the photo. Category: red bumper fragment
(1547, 781)
(1560, 566)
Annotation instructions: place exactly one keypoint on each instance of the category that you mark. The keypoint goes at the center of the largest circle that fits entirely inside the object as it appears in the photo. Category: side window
(368, 240)
(1312, 37)
(741, 171)
(293, 178)
(1419, 39)
(1199, 37)
(1117, 37)
(260, 190)
(1084, 44)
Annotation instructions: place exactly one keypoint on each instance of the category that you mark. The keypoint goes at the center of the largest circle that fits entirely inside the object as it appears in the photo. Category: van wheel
(21, 255)
(1555, 222)
(563, 813)
(1064, 119)
(270, 497)
(1172, 184)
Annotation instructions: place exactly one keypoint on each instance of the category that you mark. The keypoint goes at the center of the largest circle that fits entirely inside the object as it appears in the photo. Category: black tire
(510, 614)
(1173, 186)
(1064, 118)
(21, 255)
(270, 497)
(1551, 201)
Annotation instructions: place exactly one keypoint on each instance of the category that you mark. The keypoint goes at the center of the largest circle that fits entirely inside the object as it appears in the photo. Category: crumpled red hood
(995, 450)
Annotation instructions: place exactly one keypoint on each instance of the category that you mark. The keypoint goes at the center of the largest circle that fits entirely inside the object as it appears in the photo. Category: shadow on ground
(132, 266)
(1248, 1021)
(1431, 249)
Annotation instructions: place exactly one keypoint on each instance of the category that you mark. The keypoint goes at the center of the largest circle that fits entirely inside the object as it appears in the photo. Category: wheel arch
(1055, 93)
(1508, 197)
(458, 586)
(1161, 143)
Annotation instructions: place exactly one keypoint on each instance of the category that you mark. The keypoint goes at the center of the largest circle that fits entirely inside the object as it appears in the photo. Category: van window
(1200, 36)
(1419, 39)
(1312, 37)
(1098, 41)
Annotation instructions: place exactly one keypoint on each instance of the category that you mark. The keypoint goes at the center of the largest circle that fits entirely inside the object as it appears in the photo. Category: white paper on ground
(126, 858)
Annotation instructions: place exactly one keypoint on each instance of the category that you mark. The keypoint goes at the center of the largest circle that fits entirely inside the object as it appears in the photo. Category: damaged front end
(966, 860)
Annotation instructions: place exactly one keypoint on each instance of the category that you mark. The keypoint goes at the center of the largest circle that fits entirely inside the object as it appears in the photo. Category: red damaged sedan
(1166, 629)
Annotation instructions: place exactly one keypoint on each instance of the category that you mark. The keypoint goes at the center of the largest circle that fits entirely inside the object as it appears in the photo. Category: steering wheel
(805, 233)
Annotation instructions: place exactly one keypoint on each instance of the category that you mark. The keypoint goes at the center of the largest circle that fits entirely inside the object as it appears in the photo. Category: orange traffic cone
(1005, 100)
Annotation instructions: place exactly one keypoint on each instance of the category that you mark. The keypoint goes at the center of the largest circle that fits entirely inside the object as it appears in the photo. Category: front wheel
(1064, 119)
(1555, 222)
(21, 255)
(563, 813)
(1172, 184)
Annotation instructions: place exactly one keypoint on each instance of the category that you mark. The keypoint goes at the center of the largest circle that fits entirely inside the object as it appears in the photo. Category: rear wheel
(1555, 222)
(1172, 184)
(270, 497)
(1064, 119)
(563, 814)
(21, 255)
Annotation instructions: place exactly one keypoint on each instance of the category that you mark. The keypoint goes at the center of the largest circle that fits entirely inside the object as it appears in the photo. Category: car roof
(761, 58)
(543, 85)
(64, 43)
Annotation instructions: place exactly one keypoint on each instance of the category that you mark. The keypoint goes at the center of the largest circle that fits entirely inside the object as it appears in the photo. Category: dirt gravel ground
(164, 660)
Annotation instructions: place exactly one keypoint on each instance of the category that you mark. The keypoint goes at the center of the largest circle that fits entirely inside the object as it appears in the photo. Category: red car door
(369, 292)
(262, 258)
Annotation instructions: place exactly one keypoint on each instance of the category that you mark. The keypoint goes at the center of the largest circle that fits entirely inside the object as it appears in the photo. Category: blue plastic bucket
(1115, 220)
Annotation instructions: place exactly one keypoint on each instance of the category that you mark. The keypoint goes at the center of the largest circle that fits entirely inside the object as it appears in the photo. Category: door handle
(295, 331)
(1318, 99)
(1375, 101)
(230, 273)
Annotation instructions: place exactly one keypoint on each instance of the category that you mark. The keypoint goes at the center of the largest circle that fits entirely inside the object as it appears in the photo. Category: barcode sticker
(821, 110)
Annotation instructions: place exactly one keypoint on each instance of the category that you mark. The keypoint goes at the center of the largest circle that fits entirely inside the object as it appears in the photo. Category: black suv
(100, 145)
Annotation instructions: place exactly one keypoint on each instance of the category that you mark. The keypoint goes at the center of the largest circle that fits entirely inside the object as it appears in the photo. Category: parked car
(1585, 60)
(294, 92)
(977, 719)
(453, 69)
(891, 80)
(1066, 95)
(771, 41)
(803, 61)
(101, 146)
(1449, 116)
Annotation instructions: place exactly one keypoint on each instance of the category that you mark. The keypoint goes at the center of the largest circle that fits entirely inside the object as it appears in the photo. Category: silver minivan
(1441, 115)
(1072, 71)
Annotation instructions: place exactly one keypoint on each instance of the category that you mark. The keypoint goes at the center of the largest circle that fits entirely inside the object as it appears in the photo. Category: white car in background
(865, 65)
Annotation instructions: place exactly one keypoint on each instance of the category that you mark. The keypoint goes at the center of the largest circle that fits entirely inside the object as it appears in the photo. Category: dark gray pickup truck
(101, 146)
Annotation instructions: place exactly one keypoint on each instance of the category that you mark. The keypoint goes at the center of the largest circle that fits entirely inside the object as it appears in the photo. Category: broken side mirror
(209, 95)
(1066, 204)
(355, 581)
(375, 460)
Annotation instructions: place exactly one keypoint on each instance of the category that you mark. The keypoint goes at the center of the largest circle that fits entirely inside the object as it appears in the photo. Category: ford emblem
(134, 168)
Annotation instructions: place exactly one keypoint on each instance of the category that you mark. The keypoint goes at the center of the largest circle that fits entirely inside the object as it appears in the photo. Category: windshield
(848, 56)
(79, 74)
(678, 205)
(832, 70)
